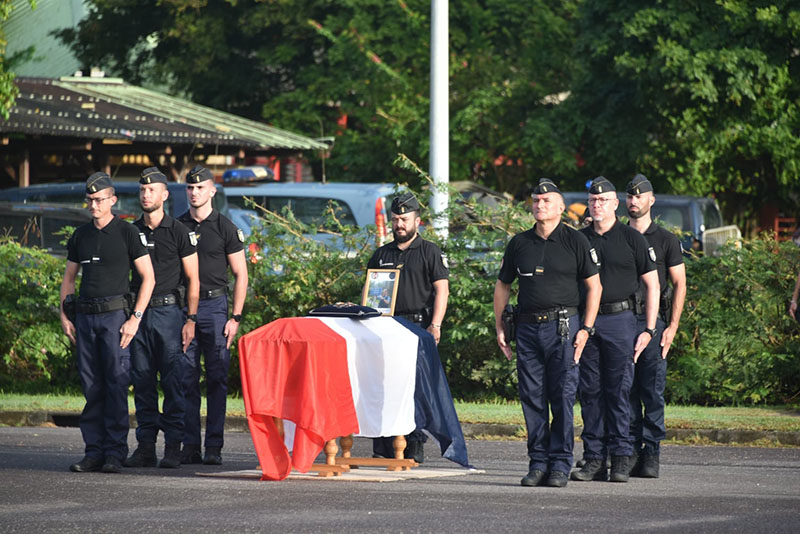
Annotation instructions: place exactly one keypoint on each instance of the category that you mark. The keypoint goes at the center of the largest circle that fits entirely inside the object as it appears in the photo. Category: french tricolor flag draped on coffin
(337, 376)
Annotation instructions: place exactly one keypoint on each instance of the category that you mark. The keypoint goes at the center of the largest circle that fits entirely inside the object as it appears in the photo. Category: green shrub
(736, 343)
(35, 353)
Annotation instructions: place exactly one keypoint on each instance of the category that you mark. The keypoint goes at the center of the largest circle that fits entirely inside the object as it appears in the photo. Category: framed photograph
(380, 290)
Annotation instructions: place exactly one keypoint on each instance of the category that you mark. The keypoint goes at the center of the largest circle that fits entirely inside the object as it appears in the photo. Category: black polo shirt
(667, 248)
(167, 244)
(216, 237)
(550, 271)
(105, 257)
(623, 255)
(421, 264)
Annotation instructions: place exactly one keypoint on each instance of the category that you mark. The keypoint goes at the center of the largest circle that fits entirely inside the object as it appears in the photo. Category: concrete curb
(471, 430)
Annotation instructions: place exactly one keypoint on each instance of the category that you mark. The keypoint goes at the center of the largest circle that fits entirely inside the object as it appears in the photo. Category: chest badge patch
(652, 253)
(193, 238)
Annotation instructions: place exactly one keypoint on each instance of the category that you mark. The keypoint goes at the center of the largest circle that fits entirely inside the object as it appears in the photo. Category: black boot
(191, 455)
(87, 465)
(535, 477)
(650, 465)
(143, 456)
(213, 456)
(111, 465)
(593, 469)
(414, 451)
(620, 468)
(172, 456)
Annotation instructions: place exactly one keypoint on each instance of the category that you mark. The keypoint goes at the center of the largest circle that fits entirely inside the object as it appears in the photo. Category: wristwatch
(237, 317)
(651, 331)
(192, 317)
(137, 314)
(589, 330)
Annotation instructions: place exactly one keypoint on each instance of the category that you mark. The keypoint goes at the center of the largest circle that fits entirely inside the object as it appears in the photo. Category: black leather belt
(413, 317)
(615, 307)
(163, 300)
(546, 316)
(100, 305)
(213, 293)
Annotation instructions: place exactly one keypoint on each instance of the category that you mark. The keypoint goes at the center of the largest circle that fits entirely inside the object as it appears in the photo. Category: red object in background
(298, 371)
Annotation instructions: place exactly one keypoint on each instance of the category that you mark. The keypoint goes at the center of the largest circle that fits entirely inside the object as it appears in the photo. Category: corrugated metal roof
(108, 108)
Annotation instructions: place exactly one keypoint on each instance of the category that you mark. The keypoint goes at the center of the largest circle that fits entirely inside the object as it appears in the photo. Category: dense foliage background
(736, 344)
(701, 96)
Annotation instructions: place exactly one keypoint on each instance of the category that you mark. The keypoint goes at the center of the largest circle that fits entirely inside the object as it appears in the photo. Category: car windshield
(672, 215)
(308, 210)
(711, 215)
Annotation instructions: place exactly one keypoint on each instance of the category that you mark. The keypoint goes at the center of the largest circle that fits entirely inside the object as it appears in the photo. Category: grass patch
(768, 418)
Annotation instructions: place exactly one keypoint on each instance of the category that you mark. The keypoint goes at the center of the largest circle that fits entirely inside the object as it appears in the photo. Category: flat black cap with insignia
(545, 185)
(601, 185)
(151, 175)
(640, 184)
(97, 182)
(198, 174)
(405, 203)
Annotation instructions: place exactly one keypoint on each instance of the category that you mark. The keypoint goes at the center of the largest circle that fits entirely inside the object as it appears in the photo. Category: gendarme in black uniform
(650, 374)
(217, 237)
(606, 369)
(420, 265)
(105, 257)
(157, 348)
(550, 272)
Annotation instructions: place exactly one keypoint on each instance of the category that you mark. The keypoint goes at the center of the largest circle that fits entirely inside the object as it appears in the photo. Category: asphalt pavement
(701, 489)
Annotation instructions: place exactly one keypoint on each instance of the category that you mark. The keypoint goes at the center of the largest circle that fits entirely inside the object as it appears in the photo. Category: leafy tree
(8, 91)
(312, 65)
(701, 96)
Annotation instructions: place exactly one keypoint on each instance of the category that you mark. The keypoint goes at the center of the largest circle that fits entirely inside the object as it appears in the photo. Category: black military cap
(640, 184)
(545, 185)
(601, 185)
(151, 175)
(198, 174)
(97, 182)
(405, 203)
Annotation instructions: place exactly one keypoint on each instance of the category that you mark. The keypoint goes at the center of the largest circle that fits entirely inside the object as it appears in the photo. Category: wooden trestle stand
(335, 466)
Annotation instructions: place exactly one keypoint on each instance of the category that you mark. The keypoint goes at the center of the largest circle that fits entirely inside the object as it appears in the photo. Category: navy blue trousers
(212, 314)
(104, 369)
(548, 378)
(157, 350)
(606, 374)
(647, 393)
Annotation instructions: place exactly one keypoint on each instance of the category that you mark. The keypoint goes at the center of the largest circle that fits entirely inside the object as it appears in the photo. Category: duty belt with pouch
(560, 314)
(101, 305)
(639, 299)
(615, 307)
(416, 317)
(213, 293)
(509, 320)
(665, 305)
(69, 307)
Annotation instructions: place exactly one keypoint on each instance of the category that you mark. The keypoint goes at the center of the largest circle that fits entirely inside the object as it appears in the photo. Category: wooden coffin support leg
(398, 463)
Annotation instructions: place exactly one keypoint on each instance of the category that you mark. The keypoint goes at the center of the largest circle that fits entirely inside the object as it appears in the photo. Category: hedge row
(736, 344)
